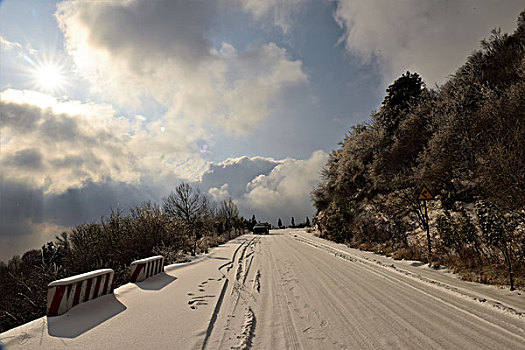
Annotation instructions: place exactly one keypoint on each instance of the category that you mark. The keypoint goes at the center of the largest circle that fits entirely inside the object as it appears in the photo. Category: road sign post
(425, 195)
(427, 227)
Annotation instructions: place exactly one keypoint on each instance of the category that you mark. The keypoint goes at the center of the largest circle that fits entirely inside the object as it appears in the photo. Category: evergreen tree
(401, 96)
(280, 223)
(293, 222)
(307, 222)
(464, 139)
(252, 223)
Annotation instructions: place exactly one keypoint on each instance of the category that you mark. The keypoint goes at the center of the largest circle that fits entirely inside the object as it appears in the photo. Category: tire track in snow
(372, 267)
(247, 333)
(289, 325)
(239, 288)
(238, 293)
(257, 281)
(459, 291)
(218, 305)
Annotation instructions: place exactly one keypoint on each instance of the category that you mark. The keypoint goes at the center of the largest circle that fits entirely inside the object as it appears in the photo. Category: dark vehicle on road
(261, 229)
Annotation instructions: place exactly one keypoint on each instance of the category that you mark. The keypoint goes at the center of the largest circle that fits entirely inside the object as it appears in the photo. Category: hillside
(464, 140)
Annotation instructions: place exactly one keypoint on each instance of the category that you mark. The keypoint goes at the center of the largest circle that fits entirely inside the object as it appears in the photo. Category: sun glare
(49, 78)
(48, 73)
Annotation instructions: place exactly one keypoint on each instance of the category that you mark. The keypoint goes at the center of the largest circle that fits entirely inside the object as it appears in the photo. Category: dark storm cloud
(19, 118)
(30, 217)
(68, 150)
(93, 200)
(68, 162)
(60, 128)
(25, 211)
(19, 201)
(145, 29)
(30, 159)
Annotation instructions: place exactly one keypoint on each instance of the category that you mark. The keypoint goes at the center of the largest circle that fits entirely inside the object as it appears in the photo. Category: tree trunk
(194, 252)
(506, 252)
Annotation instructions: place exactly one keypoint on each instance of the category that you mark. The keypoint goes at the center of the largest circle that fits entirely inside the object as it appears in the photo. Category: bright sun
(49, 77)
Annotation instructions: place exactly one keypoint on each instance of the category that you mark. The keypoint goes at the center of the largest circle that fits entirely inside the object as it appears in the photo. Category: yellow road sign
(425, 194)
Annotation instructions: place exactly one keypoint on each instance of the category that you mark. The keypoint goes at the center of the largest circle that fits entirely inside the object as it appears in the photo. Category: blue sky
(116, 102)
(319, 111)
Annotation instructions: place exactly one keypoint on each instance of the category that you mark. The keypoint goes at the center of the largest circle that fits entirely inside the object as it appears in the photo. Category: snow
(145, 260)
(78, 278)
(499, 297)
(287, 290)
(156, 311)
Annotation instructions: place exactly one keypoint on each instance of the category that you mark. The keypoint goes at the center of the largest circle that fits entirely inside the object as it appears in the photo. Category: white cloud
(263, 186)
(266, 187)
(58, 145)
(285, 191)
(218, 194)
(432, 38)
(9, 45)
(64, 162)
(278, 12)
(54, 147)
(67, 162)
(230, 177)
(130, 50)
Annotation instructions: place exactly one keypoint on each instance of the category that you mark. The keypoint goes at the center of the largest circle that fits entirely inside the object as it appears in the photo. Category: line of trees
(306, 223)
(466, 141)
(188, 222)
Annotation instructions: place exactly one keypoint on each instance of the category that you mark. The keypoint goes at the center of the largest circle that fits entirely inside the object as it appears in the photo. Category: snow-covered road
(288, 290)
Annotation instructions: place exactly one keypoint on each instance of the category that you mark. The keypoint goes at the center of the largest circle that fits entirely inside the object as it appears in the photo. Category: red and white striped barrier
(63, 294)
(145, 268)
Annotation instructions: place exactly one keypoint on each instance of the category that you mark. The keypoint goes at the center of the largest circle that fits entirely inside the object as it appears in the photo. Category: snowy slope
(167, 311)
(288, 290)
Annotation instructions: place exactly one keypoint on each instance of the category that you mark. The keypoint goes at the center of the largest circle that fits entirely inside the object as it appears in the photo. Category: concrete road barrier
(145, 268)
(63, 294)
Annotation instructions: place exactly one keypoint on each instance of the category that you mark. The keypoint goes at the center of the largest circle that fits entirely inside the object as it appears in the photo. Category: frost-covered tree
(498, 231)
(228, 213)
(463, 139)
(189, 205)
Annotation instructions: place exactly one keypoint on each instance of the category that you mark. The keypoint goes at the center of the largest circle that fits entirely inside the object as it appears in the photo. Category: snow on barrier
(145, 268)
(63, 294)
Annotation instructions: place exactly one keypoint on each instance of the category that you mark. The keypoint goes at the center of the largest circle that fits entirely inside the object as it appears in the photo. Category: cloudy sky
(112, 103)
